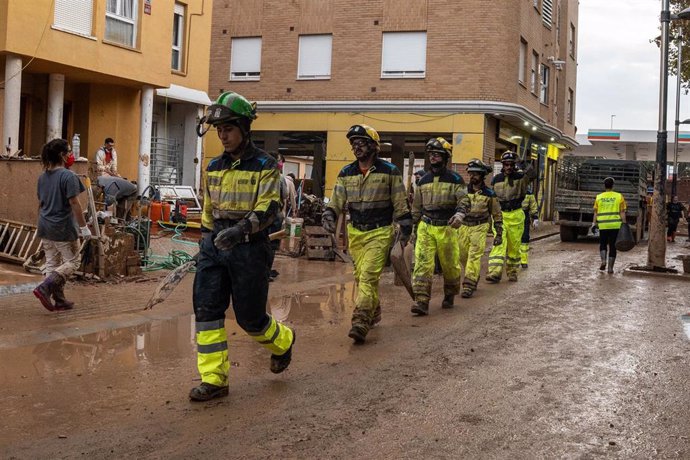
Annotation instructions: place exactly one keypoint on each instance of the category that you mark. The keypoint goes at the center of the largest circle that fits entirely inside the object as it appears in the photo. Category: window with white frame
(121, 22)
(522, 62)
(403, 55)
(314, 62)
(533, 72)
(245, 58)
(74, 16)
(544, 90)
(178, 37)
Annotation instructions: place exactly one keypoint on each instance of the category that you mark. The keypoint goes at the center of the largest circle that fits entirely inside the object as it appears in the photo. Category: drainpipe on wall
(144, 170)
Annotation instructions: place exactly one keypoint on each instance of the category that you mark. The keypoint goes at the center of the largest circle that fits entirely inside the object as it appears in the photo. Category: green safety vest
(609, 207)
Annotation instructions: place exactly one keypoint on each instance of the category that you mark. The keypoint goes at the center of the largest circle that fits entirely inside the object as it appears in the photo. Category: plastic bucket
(296, 224)
(625, 240)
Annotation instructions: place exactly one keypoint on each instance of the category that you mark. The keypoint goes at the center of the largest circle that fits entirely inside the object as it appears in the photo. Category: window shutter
(547, 12)
(245, 59)
(179, 9)
(315, 56)
(404, 55)
(75, 16)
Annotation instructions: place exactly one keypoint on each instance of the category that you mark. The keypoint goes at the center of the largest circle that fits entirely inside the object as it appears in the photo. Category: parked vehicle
(580, 180)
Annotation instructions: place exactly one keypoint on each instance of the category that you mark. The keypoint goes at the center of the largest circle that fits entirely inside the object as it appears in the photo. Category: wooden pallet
(319, 243)
(17, 241)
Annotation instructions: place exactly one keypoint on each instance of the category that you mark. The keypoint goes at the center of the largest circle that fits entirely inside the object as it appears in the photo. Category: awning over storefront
(182, 93)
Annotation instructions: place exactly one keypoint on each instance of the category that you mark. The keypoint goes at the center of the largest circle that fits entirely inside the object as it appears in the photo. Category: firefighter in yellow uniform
(510, 186)
(241, 199)
(482, 207)
(531, 210)
(375, 197)
(437, 211)
(609, 215)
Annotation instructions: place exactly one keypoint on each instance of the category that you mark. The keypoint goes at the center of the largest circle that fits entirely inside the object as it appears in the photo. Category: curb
(13, 289)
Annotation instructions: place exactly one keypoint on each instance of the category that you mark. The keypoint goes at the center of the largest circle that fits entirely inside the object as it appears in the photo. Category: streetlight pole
(612, 116)
(674, 178)
(656, 253)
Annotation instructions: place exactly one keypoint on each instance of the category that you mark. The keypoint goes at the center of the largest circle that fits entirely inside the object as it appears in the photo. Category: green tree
(679, 30)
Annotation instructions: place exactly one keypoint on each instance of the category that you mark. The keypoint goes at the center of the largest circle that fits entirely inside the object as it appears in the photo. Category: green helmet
(228, 107)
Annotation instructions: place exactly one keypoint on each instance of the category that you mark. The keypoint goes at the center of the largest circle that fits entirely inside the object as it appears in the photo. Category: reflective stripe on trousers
(369, 251)
(472, 245)
(212, 352)
(509, 250)
(433, 240)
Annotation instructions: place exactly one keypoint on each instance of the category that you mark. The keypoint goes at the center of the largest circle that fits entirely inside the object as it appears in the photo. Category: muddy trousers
(524, 241)
(432, 240)
(369, 251)
(61, 257)
(508, 251)
(472, 245)
(239, 275)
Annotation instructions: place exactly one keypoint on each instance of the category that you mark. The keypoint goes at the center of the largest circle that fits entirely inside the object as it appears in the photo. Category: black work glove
(498, 239)
(328, 220)
(405, 233)
(231, 236)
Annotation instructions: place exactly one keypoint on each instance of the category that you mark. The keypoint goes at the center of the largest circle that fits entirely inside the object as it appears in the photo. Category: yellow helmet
(441, 145)
(363, 132)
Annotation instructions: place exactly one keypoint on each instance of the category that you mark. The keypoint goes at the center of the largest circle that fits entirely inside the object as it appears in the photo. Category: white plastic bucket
(295, 224)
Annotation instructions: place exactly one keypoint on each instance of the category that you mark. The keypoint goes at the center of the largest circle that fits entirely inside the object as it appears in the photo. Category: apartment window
(245, 59)
(571, 96)
(74, 16)
(177, 37)
(544, 93)
(404, 55)
(522, 64)
(533, 72)
(547, 12)
(121, 22)
(314, 62)
(571, 40)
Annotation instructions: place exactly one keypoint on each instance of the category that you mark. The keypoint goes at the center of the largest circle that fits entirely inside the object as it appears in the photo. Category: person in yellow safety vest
(482, 205)
(510, 186)
(609, 215)
(529, 206)
(437, 211)
(241, 200)
(375, 197)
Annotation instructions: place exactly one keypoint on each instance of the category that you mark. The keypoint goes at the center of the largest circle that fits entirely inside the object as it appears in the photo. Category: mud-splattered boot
(358, 332)
(207, 391)
(602, 267)
(281, 362)
(420, 308)
(44, 290)
(377, 315)
(493, 278)
(512, 277)
(61, 303)
(612, 260)
(448, 301)
(467, 292)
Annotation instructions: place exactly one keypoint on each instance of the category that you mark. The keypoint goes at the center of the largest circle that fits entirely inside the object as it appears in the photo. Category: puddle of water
(332, 304)
(686, 324)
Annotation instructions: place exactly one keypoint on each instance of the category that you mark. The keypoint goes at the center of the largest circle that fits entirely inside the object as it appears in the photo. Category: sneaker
(280, 363)
(358, 333)
(512, 277)
(448, 301)
(207, 391)
(420, 308)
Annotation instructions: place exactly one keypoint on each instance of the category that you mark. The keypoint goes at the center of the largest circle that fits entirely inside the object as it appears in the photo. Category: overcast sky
(618, 68)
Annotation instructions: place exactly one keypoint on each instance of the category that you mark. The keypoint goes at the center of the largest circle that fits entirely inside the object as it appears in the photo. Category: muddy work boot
(467, 292)
(44, 290)
(377, 316)
(358, 333)
(493, 278)
(420, 308)
(512, 277)
(207, 391)
(612, 260)
(448, 301)
(602, 267)
(61, 303)
(281, 362)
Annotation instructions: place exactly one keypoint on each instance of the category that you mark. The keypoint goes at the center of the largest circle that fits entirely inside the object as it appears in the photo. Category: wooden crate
(319, 243)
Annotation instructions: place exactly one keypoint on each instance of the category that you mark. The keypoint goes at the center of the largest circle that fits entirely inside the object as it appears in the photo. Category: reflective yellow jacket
(438, 196)
(480, 205)
(374, 199)
(248, 188)
(529, 205)
(608, 206)
(511, 190)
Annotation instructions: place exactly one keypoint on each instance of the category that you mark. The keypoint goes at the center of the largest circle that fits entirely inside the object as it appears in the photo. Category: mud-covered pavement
(568, 362)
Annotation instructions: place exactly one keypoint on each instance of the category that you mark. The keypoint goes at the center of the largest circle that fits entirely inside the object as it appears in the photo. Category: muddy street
(567, 362)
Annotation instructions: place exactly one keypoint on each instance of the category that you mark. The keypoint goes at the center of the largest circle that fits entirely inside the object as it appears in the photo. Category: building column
(12, 106)
(56, 101)
(318, 169)
(144, 170)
